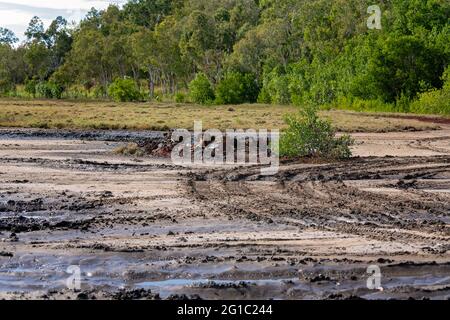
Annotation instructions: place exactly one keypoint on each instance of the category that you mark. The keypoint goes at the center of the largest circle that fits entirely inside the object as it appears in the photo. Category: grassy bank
(162, 116)
(435, 102)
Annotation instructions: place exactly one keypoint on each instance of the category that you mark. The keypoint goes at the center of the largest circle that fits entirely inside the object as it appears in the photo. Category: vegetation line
(316, 52)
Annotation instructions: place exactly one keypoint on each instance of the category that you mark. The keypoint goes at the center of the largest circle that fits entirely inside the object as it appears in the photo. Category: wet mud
(143, 228)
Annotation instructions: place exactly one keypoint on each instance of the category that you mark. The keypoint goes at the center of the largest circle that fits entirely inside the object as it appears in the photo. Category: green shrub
(280, 88)
(76, 92)
(56, 89)
(200, 89)
(99, 91)
(402, 103)
(264, 96)
(236, 88)
(124, 90)
(49, 90)
(180, 97)
(44, 90)
(6, 87)
(276, 87)
(432, 102)
(30, 87)
(309, 136)
(357, 104)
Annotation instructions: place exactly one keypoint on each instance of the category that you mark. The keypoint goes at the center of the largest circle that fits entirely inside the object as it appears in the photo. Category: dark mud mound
(89, 135)
(89, 165)
(23, 224)
(156, 143)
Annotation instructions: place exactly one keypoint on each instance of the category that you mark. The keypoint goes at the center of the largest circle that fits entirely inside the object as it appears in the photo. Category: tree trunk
(151, 83)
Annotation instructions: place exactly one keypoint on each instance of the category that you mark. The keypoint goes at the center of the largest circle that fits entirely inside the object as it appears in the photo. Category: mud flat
(146, 229)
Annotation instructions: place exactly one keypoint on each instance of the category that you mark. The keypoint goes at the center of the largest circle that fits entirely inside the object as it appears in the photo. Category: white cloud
(17, 21)
(14, 17)
(16, 14)
(63, 4)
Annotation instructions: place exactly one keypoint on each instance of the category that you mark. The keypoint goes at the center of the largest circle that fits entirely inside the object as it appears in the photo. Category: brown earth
(146, 229)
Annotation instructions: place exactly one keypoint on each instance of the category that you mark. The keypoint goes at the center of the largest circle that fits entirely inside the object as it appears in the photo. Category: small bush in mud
(131, 149)
(309, 136)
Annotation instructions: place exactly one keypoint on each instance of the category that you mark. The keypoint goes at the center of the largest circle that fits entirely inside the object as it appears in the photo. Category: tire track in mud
(378, 198)
(429, 144)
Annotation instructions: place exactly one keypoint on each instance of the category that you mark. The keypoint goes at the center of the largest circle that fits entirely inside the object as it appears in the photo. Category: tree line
(234, 51)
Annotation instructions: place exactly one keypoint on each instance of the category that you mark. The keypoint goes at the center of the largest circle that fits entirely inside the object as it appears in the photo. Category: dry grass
(130, 149)
(163, 116)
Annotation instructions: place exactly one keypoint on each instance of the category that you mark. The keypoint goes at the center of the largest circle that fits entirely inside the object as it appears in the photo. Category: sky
(16, 14)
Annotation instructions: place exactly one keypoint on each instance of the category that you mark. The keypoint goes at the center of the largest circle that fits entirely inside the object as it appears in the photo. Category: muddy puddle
(142, 228)
(108, 274)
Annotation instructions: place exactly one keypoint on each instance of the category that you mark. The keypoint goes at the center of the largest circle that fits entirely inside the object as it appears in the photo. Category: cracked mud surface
(146, 229)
